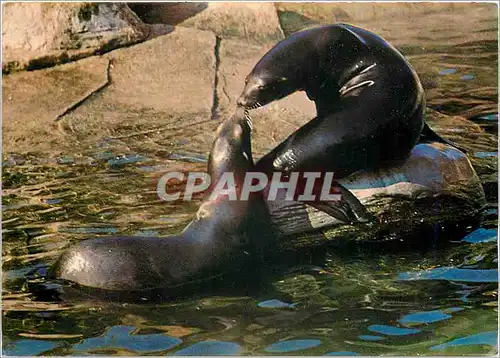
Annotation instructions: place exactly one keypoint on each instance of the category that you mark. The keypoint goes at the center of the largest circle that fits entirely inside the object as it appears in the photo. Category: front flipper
(348, 209)
(428, 134)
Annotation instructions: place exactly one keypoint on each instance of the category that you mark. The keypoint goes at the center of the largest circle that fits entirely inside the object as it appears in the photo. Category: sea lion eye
(261, 87)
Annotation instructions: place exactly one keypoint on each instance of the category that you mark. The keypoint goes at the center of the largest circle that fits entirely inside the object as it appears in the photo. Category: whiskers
(248, 119)
(255, 106)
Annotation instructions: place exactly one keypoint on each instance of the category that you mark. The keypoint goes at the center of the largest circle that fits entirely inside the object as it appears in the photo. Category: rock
(162, 88)
(250, 22)
(38, 35)
(162, 91)
(172, 13)
(466, 21)
(172, 73)
(436, 184)
(33, 100)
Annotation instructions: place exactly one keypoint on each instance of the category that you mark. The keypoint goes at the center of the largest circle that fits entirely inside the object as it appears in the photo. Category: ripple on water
(447, 71)
(122, 337)
(104, 155)
(484, 338)
(343, 353)
(489, 117)
(452, 274)
(481, 235)
(52, 201)
(65, 160)
(149, 233)
(467, 77)
(126, 159)
(275, 304)
(153, 168)
(88, 230)
(211, 348)
(424, 317)
(391, 330)
(486, 154)
(21, 272)
(189, 157)
(28, 347)
(292, 345)
(367, 337)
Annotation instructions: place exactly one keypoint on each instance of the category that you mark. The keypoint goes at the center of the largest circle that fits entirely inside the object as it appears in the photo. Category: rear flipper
(429, 134)
(348, 209)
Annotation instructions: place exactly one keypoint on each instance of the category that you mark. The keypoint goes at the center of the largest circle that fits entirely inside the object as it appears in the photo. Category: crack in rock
(78, 103)
(215, 101)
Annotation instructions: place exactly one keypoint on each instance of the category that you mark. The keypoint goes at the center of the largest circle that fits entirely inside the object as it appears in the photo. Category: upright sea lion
(369, 101)
(224, 232)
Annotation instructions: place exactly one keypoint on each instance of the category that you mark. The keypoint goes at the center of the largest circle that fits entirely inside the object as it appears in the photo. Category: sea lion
(369, 101)
(224, 233)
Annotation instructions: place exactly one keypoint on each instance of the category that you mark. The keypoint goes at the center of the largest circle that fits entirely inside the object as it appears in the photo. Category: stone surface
(37, 35)
(33, 100)
(248, 21)
(467, 21)
(172, 13)
(162, 88)
(158, 87)
(252, 22)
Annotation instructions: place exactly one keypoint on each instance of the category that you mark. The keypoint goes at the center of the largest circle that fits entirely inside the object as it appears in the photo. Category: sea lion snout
(251, 97)
(261, 89)
(247, 98)
(242, 101)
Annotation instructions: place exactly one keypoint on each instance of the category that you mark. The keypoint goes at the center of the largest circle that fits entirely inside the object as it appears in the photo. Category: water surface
(358, 300)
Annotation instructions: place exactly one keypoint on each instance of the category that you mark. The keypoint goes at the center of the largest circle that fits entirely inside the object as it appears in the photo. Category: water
(440, 298)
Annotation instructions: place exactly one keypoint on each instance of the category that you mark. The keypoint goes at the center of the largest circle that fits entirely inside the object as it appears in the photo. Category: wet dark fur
(369, 101)
(225, 234)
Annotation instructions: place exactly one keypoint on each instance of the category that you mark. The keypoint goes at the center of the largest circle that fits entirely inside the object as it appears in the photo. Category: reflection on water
(292, 345)
(392, 331)
(484, 338)
(210, 348)
(122, 337)
(452, 274)
(367, 300)
(28, 347)
(482, 235)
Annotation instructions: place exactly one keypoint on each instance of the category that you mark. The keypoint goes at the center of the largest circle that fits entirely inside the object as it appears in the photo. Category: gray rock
(250, 22)
(37, 35)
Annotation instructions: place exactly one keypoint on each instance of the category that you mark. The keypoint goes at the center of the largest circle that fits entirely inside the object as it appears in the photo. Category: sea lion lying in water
(224, 233)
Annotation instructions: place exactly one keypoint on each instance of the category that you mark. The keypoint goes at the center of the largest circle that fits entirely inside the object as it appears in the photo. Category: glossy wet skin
(219, 234)
(285, 69)
(369, 100)
(260, 90)
(319, 61)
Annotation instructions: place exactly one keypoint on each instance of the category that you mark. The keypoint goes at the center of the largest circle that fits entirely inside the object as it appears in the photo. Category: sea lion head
(231, 154)
(283, 70)
(231, 149)
(234, 221)
(261, 89)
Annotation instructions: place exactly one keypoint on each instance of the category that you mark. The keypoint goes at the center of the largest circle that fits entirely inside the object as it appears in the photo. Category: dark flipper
(429, 134)
(348, 209)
